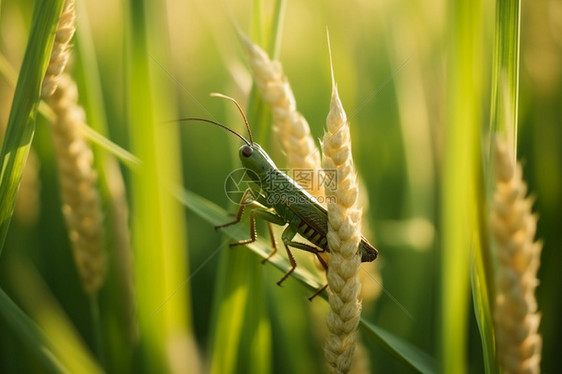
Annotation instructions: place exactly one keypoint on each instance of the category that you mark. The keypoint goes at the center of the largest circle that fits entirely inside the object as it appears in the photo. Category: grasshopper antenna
(214, 94)
(218, 124)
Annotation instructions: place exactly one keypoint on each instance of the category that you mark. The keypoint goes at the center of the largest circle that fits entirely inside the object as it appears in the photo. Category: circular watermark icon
(238, 182)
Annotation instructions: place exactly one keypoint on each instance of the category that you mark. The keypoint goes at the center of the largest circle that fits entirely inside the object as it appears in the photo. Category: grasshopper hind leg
(321, 289)
(287, 237)
(318, 292)
(273, 243)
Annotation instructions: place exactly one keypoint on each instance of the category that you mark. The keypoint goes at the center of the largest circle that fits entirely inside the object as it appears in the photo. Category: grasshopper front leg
(287, 237)
(260, 211)
(247, 199)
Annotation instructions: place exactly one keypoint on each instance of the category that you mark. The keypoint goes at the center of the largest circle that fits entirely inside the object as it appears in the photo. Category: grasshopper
(294, 207)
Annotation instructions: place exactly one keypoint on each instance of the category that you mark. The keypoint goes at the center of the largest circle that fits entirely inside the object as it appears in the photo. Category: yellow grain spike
(344, 235)
(516, 318)
(290, 126)
(80, 196)
(61, 49)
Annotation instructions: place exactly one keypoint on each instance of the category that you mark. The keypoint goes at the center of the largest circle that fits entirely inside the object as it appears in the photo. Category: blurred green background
(391, 66)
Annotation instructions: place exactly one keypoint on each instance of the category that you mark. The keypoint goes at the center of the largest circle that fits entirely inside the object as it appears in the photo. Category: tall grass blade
(503, 119)
(459, 180)
(230, 303)
(505, 73)
(21, 123)
(482, 280)
(158, 224)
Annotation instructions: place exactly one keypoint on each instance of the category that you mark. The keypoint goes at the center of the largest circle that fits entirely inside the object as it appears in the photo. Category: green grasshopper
(294, 207)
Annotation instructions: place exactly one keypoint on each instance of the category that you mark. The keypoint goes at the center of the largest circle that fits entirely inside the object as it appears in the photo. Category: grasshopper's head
(253, 157)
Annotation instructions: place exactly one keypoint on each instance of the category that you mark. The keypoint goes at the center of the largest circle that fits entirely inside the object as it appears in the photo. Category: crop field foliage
(148, 285)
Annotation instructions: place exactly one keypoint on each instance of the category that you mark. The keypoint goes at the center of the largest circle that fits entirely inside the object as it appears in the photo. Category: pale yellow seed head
(514, 226)
(61, 49)
(78, 180)
(291, 127)
(344, 235)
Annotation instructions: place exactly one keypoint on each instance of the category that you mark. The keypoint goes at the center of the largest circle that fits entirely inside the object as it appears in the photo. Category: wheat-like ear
(61, 49)
(291, 127)
(78, 180)
(515, 314)
(344, 236)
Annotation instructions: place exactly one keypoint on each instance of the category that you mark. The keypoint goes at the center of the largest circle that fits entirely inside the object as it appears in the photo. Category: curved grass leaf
(403, 351)
(54, 342)
(30, 333)
(21, 123)
(60, 335)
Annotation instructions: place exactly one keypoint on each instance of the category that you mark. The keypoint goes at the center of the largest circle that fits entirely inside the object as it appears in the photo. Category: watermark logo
(238, 182)
(297, 199)
(309, 179)
(280, 186)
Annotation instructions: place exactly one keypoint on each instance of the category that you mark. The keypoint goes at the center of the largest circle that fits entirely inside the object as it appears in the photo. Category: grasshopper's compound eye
(247, 151)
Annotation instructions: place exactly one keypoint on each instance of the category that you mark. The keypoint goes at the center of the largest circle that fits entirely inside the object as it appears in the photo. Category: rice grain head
(61, 49)
(78, 180)
(344, 236)
(516, 318)
(291, 127)
(81, 205)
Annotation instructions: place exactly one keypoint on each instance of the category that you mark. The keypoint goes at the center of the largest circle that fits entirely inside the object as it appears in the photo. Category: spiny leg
(273, 243)
(318, 292)
(259, 211)
(287, 238)
(252, 232)
(322, 261)
(240, 211)
(321, 289)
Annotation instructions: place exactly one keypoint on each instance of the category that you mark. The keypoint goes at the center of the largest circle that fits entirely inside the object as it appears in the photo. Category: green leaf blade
(21, 122)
